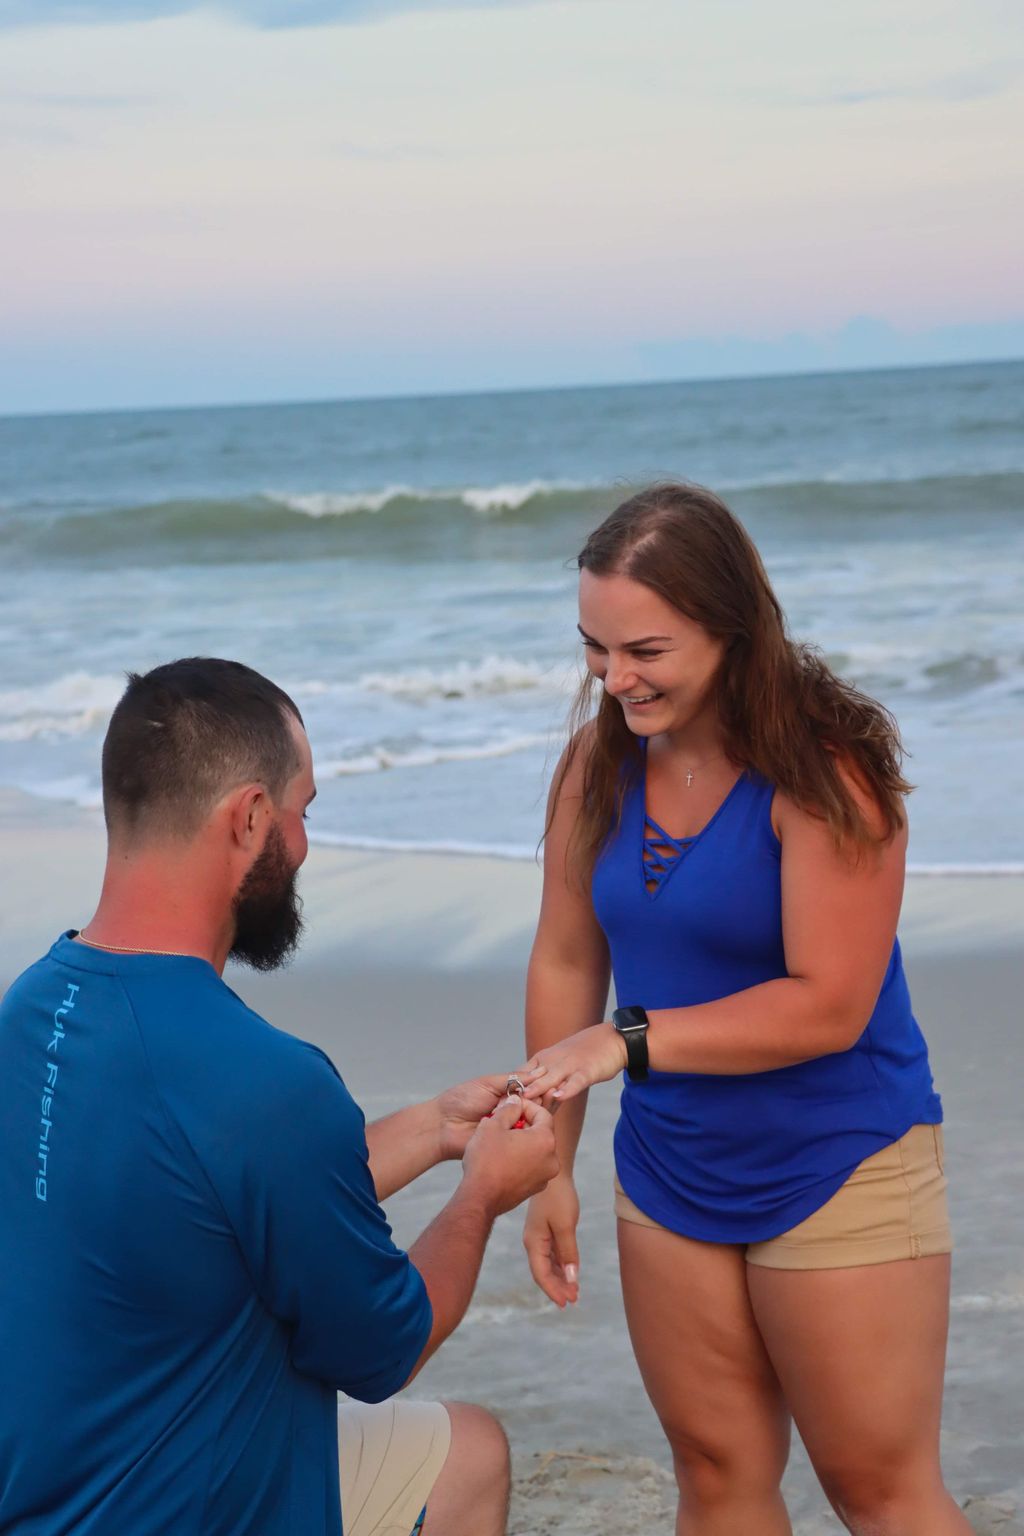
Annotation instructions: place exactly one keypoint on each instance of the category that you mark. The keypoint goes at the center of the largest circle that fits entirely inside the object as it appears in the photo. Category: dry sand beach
(412, 977)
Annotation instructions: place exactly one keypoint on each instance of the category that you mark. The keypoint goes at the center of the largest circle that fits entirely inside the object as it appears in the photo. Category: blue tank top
(740, 1159)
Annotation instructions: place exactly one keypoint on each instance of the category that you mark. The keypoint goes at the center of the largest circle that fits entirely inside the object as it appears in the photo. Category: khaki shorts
(389, 1456)
(893, 1206)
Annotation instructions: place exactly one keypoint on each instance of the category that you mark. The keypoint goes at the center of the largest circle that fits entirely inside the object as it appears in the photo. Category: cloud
(975, 84)
(386, 154)
(257, 13)
(73, 101)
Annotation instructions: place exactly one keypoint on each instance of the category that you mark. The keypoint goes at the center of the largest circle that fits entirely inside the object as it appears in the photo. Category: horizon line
(503, 391)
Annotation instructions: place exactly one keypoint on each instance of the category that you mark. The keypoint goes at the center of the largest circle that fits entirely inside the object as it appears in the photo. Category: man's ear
(247, 809)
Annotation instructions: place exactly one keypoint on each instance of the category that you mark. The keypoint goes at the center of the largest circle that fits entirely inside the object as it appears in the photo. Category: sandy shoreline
(412, 977)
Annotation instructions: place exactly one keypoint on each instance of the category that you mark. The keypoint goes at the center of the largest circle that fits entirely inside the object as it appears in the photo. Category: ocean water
(404, 569)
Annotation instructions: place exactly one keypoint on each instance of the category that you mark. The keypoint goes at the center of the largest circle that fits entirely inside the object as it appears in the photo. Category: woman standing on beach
(726, 836)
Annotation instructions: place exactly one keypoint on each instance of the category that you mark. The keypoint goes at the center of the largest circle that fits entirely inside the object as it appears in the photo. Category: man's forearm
(404, 1145)
(448, 1255)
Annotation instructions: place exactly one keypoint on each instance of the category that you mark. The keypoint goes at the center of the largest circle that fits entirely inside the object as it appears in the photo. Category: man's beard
(268, 909)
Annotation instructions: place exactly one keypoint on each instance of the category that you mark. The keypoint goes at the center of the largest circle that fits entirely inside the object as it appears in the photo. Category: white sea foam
(918, 672)
(344, 503)
(382, 758)
(69, 706)
(53, 725)
(514, 851)
(65, 695)
(80, 702)
(952, 871)
(1012, 1301)
(508, 498)
(501, 1314)
(465, 679)
(927, 673)
(486, 500)
(493, 676)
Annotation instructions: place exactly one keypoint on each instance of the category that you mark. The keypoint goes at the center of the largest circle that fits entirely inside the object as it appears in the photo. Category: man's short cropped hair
(184, 735)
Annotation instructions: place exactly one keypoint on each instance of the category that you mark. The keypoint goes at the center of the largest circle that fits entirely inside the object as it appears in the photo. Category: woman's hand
(562, 1071)
(549, 1238)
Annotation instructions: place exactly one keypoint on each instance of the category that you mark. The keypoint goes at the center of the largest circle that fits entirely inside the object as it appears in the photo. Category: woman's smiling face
(656, 662)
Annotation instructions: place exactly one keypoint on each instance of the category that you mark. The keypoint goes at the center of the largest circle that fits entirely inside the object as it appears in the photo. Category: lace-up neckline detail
(661, 853)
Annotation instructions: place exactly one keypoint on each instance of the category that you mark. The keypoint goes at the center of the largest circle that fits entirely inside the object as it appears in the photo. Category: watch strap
(632, 1024)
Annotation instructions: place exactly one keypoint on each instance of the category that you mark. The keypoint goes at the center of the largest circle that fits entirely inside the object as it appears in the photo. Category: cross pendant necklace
(690, 772)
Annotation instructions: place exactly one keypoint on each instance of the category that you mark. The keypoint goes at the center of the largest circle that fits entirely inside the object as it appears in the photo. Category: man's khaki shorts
(893, 1206)
(389, 1456)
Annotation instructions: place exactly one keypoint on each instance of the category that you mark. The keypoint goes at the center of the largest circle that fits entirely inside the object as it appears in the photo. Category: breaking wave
(285, 525)
(69, 706)
(486, 500)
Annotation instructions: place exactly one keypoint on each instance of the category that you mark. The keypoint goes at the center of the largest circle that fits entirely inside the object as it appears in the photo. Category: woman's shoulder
(570, 774)
(787, 809)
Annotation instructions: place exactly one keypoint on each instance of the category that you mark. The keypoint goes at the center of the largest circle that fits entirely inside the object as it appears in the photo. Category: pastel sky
(307, 198)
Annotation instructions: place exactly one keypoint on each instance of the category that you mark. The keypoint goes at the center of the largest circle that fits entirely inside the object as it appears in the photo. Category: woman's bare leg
(710, 1380)
(861, 1356)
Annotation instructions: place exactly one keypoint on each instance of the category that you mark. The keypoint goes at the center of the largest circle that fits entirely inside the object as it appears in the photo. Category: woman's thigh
(860, 1354)
(703, 1362)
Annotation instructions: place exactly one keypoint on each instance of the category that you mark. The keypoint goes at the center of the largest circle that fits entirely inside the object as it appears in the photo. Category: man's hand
(501, 1168)
(407, 1143)
(461, 1109)
(561, 1071)
(505, 1166)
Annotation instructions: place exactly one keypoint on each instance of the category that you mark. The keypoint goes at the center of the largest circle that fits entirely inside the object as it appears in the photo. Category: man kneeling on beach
(193, 1259)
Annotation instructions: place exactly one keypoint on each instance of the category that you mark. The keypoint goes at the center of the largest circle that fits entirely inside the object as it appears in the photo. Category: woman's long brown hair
(783, 713)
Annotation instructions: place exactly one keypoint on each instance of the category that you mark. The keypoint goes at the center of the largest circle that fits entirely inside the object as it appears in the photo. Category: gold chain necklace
(126, 949)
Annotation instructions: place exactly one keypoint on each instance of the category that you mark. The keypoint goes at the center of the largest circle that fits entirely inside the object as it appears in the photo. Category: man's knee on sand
(472, 1491)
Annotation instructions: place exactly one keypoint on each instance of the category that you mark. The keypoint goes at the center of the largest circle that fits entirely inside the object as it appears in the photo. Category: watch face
(630, 1018)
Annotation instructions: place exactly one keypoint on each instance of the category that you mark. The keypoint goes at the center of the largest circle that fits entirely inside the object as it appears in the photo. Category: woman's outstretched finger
(543, 1085)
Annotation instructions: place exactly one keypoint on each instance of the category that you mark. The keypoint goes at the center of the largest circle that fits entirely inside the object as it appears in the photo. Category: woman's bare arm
(839, 916)
(569, 972)
(566, 990)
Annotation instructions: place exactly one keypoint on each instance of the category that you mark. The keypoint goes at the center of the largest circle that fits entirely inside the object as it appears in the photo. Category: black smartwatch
(633, 1024)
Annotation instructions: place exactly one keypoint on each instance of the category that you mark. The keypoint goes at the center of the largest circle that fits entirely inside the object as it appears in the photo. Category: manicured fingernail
(571, 1273)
